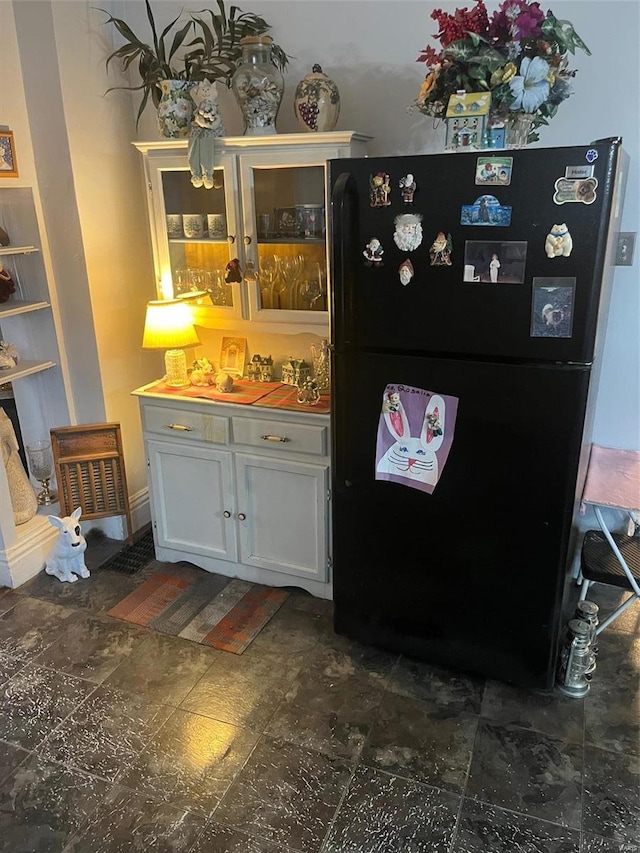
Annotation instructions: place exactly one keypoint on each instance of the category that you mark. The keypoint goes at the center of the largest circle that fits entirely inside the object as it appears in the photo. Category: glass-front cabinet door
(254, 247)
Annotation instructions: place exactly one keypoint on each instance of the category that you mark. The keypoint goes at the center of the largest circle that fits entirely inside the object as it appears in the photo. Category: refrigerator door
(438, 312)
(472, 575)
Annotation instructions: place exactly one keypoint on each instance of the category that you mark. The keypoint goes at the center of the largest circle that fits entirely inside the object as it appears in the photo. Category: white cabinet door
(282, 515)
(193, 498)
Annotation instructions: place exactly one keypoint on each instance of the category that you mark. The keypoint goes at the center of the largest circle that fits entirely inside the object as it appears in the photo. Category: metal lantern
(577, 657)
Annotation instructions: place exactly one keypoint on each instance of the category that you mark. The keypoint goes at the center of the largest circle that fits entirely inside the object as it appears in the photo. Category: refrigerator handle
(343, 224)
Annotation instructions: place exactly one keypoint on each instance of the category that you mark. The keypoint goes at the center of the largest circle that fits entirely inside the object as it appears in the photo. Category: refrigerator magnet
(415, 433)
(552, 307)
(494, 171)
(576, 172)
(440, 250)
(405, 271)
(575, 191)
(408, 188)
(373, 253)
(558, 243)
(591, 156)
(485, 210)
(379, 190)
(408, 231)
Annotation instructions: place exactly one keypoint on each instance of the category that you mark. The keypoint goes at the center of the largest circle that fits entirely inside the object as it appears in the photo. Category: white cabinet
(268, 209)
(239, 490)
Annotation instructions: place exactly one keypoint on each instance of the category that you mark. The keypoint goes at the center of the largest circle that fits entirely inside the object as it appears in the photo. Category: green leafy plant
(212, 52)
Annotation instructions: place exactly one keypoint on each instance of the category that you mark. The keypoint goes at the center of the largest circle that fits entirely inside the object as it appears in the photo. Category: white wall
(369, 48)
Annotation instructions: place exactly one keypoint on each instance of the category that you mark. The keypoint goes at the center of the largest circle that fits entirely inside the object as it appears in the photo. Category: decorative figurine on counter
(233, 272)
(66, 560)
(7, 286)
(408, 187)
(558, 242)
(260, 369)
(266, 369)
(296, 371)
(408, 233)
(202, 373)
(308, 392)
(224, 382)
(8, 355)
(379, 190)
(373, 252)
(405, 271)
(440, 251)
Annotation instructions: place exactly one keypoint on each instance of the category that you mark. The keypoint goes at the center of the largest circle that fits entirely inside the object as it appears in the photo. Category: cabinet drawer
(193, 426)
(281, 435)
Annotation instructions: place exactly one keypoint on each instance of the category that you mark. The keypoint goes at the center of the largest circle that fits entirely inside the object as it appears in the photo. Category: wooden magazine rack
(90, 471)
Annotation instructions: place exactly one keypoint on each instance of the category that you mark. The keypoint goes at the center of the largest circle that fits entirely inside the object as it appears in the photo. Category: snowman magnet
(405, 271)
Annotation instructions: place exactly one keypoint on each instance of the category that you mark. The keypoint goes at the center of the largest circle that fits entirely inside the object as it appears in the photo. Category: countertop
(271, 395)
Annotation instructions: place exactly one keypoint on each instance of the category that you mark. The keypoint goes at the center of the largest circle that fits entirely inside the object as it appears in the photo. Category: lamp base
(175, 363)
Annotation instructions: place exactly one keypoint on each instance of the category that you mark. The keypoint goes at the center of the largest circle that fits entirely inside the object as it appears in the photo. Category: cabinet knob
(247, 241)
(226, 513)
(241, 516)
(231, 238)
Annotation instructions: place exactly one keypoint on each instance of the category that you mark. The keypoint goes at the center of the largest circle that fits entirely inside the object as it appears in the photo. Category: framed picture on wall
(8, 162)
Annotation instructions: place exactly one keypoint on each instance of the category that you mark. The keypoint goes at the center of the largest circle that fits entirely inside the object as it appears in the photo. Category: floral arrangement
(520, 55)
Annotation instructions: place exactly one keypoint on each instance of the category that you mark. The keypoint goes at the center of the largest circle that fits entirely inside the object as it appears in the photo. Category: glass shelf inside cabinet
(197, 238)
(291, 237)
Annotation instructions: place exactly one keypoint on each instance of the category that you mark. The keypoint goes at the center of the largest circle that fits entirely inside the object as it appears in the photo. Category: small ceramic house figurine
(253, 368)
(296, 371)
(266, 369)
(467, 117)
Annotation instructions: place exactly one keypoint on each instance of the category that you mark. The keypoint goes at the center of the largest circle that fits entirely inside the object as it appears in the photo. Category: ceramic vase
(258, 86)
(175, 110)
(317, 102)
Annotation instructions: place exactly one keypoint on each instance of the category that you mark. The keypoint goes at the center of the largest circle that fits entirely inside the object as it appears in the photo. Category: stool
(613, 481)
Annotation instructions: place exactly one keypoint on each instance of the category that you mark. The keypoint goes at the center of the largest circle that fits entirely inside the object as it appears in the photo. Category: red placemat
(243, 391)
(285, 397)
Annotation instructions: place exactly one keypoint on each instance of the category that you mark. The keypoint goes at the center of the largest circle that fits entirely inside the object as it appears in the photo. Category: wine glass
(41, 466)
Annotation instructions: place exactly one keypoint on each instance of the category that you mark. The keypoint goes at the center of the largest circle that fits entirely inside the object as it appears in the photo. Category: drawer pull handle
(226, 513)
(274, 438)
(179, 427)
(241, 516)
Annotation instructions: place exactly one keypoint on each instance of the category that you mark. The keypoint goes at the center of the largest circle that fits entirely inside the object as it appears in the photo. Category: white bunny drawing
(411, 457)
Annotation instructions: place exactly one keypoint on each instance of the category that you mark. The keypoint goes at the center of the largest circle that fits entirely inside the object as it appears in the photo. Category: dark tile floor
(113, 738)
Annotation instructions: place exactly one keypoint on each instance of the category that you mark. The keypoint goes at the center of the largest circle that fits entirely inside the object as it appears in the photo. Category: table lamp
(168, 325)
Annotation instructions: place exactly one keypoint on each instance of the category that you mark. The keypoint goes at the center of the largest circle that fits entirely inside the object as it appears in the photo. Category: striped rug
(212, 610)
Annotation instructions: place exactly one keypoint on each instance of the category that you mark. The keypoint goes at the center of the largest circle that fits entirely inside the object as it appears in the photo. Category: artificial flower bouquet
(519, 55)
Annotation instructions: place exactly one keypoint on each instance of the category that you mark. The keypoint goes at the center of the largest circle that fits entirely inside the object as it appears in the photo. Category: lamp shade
(168, 324)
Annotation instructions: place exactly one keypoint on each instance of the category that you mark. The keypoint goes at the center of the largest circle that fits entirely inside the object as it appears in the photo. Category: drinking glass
(41, 466)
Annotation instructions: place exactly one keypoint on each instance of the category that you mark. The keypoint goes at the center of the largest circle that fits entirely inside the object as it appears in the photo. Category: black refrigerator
(469, 300)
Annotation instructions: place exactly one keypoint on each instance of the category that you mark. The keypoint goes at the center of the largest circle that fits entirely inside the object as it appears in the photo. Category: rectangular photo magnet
(552, 307)
(495, 261)
(494, 171)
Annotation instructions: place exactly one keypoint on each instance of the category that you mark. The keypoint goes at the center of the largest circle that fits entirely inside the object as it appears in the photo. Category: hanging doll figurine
(233, 272)
(7, 286)
(440, 251)
(207, 125)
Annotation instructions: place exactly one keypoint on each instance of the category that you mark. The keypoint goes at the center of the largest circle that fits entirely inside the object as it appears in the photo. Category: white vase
(258, 86)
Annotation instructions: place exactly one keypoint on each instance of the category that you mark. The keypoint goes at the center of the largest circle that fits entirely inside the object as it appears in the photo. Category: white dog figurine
(66, 558)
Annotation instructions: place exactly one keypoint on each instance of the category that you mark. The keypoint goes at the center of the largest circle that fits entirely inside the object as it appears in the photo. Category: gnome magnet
(405, 271)
(440, 251)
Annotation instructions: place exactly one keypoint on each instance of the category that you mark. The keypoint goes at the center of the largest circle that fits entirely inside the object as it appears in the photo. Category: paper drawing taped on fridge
(415, 433)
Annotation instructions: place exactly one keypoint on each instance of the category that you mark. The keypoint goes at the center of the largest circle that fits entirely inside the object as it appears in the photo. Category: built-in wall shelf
(24, 368)
(10, 309)
(18, 250)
